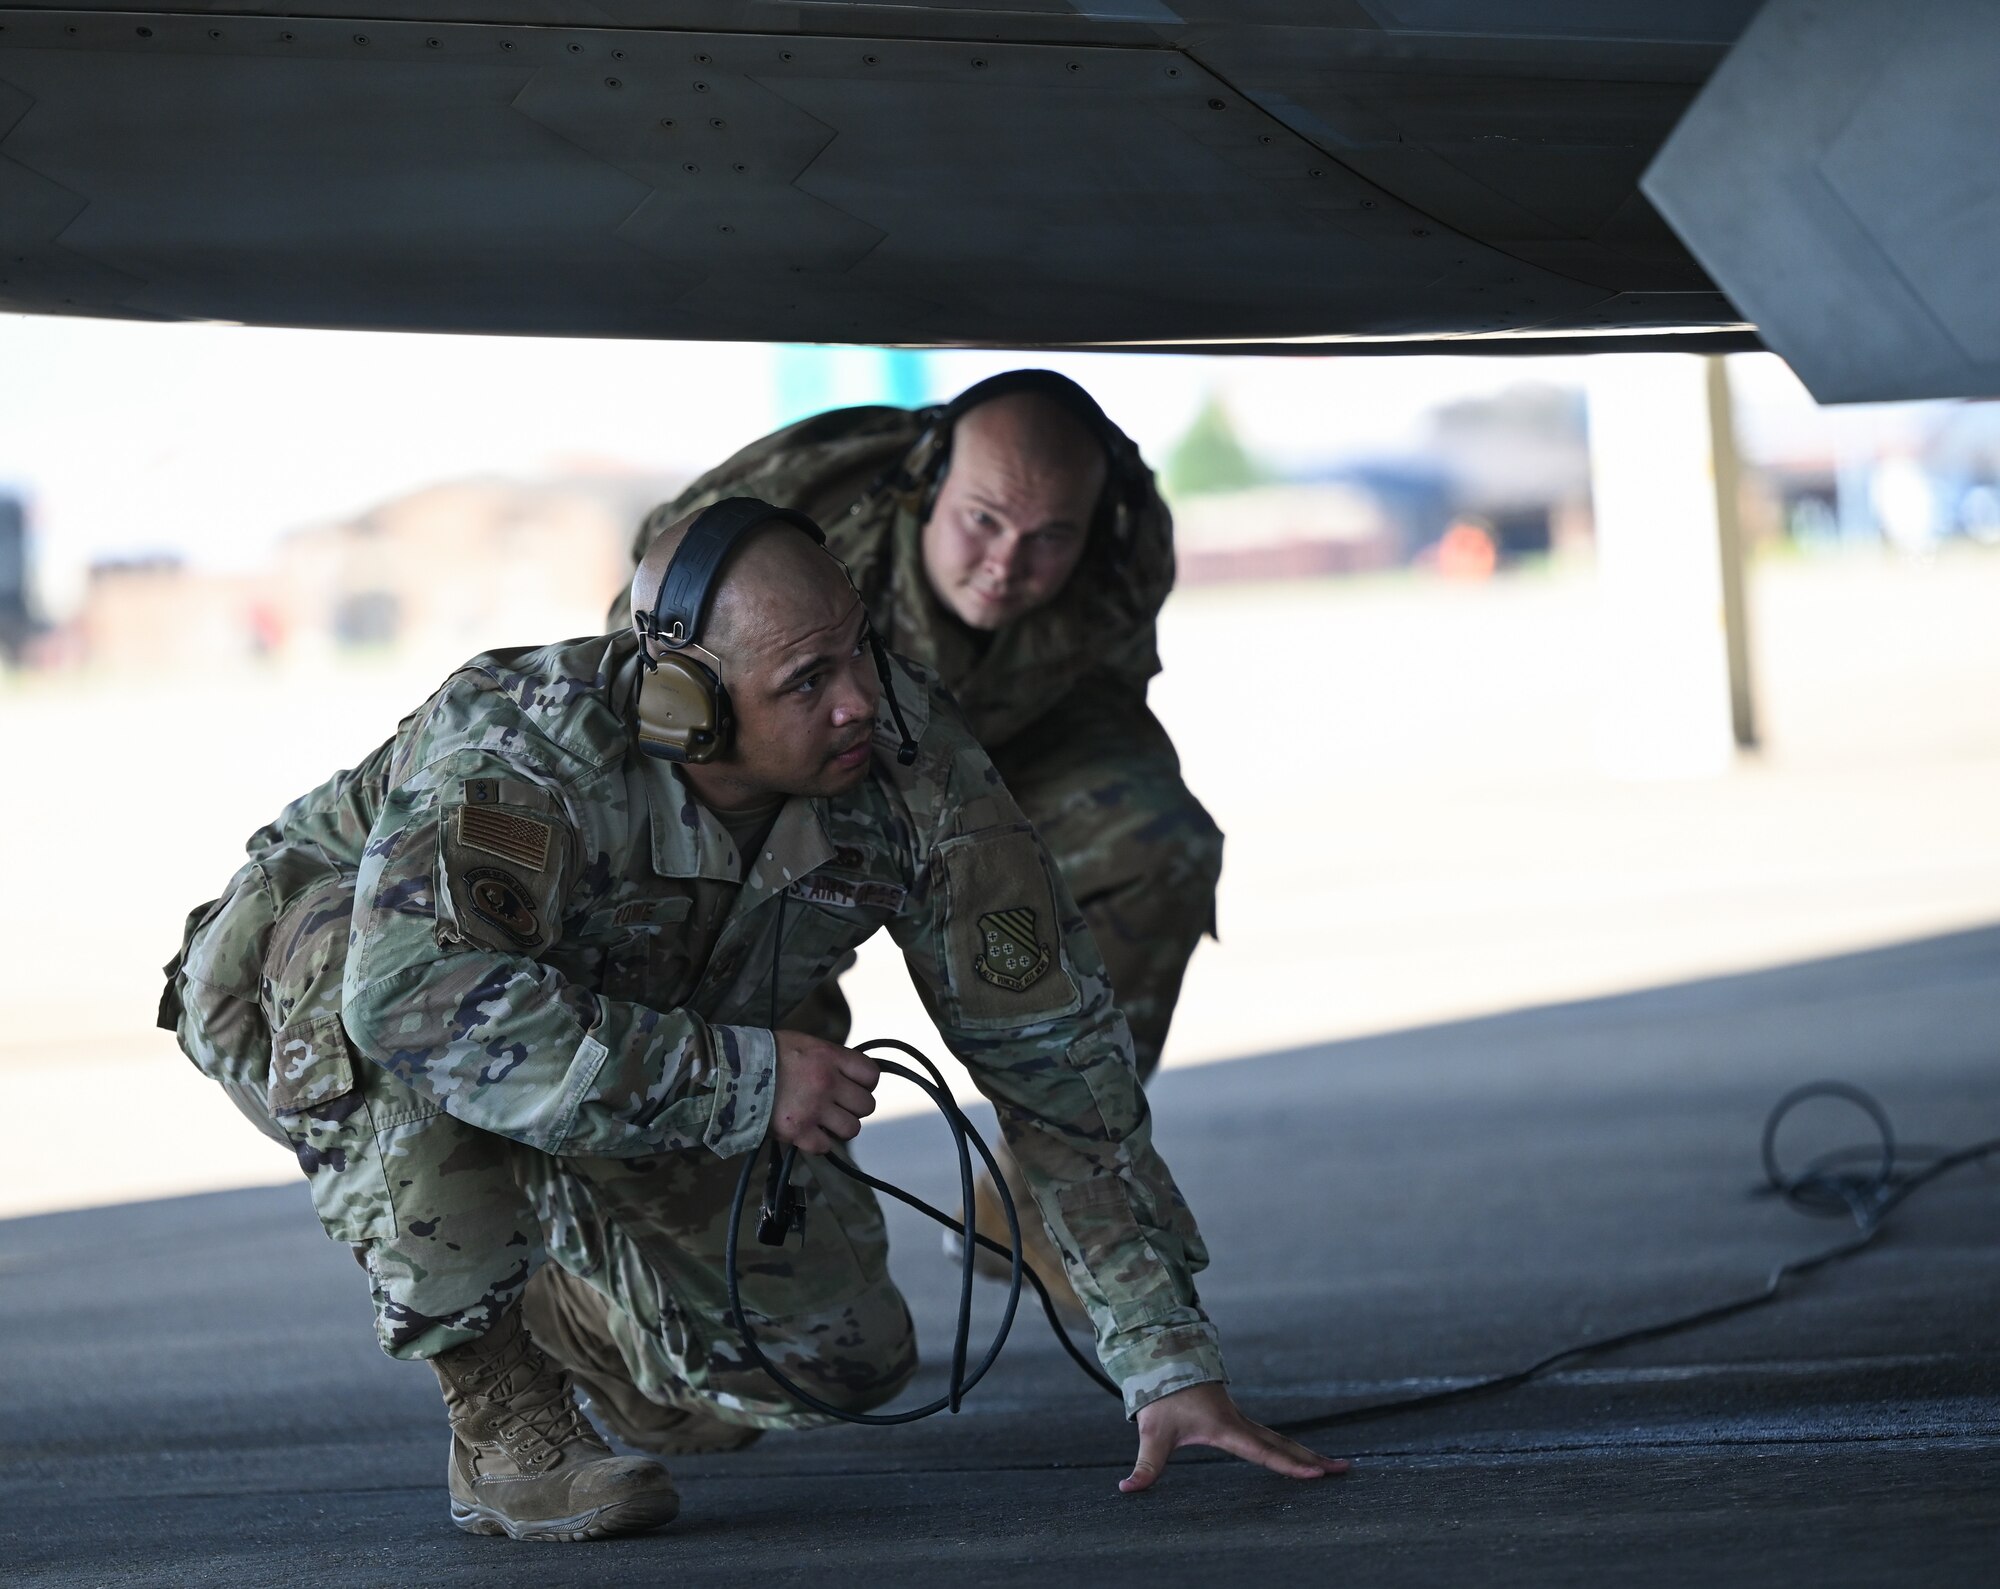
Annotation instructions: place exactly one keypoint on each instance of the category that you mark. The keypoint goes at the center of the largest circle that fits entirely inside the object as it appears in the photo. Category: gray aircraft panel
(1864, 202)
(1631, 21)
(1201, 175)
(716, 185)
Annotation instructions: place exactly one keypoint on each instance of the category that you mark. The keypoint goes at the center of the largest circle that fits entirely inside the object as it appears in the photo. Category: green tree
(1209, 456)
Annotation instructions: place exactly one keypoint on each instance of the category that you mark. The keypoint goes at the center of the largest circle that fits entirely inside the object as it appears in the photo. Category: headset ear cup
(682, 710)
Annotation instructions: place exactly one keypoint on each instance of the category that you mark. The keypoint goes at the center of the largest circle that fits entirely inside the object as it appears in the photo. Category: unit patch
(499, 880)
(1010, 955)
(507, 834)
(497, 898)
(1003, 944)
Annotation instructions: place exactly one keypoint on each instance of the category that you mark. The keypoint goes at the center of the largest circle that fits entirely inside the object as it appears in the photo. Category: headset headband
(1058, 389)
(1124, 478)
(688, 586)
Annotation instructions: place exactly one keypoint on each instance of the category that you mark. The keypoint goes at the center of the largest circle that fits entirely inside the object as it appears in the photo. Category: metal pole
(1729, 539)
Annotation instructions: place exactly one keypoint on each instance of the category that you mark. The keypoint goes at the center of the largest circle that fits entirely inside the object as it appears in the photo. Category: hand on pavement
(1204, 1415)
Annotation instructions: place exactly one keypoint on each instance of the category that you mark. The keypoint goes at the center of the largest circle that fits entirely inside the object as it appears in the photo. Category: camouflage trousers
(450, 1221)
(1099, 779)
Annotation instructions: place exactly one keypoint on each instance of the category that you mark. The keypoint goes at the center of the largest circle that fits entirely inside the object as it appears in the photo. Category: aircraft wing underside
(1025, 172)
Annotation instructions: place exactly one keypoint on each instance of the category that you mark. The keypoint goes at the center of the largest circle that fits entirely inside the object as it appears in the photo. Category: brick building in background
(438, 575)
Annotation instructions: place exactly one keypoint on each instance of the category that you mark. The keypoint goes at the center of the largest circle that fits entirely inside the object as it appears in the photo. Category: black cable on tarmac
(1820, 1188)
(1824, 1187)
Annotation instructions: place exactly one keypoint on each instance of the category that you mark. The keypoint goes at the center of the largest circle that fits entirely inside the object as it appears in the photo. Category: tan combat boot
(1037, 1251)
(572, 1321)
(525, 1462)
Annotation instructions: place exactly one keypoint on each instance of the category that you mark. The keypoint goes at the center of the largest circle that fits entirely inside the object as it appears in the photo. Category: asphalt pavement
(191, 1394)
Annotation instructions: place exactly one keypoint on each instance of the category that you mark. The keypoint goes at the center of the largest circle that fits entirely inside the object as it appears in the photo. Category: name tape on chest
(851, 893)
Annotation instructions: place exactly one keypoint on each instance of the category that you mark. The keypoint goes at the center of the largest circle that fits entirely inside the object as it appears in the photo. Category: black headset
(1123, 473)
(681, 707)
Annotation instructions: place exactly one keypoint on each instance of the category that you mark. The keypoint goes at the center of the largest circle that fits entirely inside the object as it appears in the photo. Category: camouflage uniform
(1058, 697)
(508, 991)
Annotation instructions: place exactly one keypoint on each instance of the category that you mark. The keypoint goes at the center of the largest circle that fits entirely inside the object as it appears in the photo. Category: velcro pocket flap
(1003, 939)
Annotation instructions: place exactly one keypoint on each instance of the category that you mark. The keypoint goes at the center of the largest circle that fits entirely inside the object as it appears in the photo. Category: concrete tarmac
(192, 1397)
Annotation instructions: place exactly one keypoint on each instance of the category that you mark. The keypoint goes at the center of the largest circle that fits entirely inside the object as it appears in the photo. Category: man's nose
(1004, 555)
(855, 696)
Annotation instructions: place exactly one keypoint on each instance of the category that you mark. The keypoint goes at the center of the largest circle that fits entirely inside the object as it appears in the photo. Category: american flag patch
(507, 834)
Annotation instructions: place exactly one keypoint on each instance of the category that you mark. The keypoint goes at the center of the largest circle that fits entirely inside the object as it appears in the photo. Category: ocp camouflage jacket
(555, 940)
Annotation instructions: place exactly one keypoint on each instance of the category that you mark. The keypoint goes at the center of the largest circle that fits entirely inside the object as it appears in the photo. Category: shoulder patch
(499, 899)
(1010, 955)
(1003, 936)
(500, 867)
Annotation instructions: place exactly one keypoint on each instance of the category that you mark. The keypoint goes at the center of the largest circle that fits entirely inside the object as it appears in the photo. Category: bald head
(774, 577)
(779, 585)
(786, 634)
(1030, 434)
(1014, 508)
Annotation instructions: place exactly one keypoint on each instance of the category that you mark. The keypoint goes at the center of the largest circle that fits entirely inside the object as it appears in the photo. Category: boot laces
(541, 1416)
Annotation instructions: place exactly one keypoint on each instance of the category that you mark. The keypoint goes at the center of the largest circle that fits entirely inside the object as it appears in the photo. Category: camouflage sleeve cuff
(1156, 1362)
(746, 1075)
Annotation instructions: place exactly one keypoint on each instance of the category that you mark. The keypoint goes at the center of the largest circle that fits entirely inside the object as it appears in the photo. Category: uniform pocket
(225, 948)
(647, 951)
(819, 944)
(1003, 948)
(501, 848)
(315, 1101)
(213, 992)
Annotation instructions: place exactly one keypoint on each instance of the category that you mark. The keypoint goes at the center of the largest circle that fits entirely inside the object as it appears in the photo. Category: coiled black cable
(784, 1210)
(1823, 1187)
(1820, 1188)
(781, 1215)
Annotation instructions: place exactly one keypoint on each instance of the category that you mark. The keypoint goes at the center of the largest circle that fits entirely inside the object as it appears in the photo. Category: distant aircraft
(1208, 174)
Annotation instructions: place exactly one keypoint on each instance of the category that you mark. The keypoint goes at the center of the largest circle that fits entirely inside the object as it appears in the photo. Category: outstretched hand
(1204, 1415)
